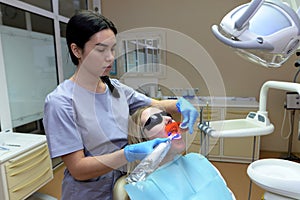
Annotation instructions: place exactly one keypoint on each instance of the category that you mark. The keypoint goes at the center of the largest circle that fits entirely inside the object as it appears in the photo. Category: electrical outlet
(292, 101)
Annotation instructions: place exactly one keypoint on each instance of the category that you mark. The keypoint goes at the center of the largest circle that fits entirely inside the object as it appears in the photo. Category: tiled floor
(237, 179)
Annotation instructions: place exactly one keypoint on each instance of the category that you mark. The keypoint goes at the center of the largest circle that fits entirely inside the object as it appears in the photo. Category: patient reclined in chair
(178, 177)
(187, 177)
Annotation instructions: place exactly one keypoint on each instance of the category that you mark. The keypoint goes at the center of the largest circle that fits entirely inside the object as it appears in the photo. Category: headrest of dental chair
(119, 192)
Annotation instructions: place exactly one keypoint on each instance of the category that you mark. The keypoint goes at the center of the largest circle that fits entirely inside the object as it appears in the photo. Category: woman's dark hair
(82, 26)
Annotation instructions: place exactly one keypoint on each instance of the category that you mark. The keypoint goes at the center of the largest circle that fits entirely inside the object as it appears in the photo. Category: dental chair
(119, 192)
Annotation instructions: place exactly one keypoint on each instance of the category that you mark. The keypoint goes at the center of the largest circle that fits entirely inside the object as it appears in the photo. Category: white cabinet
(239, 149)
(25, 165)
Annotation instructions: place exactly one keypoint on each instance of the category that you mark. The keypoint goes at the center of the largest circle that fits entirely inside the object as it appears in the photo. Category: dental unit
(266, 33)
(256, 123)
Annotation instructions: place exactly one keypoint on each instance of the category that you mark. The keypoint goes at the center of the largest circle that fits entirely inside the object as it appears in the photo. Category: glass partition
(30, 64)
(29, 59)
(67, 65)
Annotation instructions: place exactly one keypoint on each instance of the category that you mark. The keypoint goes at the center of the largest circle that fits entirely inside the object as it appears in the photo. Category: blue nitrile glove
(141, 150)
(189, 113)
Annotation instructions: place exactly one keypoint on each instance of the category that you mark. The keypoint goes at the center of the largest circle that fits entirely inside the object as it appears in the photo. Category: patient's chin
(178, 146)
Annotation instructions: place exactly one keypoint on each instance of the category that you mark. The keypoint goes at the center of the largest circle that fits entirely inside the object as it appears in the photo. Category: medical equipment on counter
(264, 32)
(278, 177)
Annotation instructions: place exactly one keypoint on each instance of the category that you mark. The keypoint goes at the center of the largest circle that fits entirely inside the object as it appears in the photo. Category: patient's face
(154, 122)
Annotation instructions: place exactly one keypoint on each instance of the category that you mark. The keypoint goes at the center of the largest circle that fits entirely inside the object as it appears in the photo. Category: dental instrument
(11, 145)
(4, 148)
(152, 161)
(204, 141)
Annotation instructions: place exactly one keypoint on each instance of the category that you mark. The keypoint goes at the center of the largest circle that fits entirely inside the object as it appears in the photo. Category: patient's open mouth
(172, 131)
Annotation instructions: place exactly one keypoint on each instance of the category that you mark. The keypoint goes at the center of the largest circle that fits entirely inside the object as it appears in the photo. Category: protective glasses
(155, 119)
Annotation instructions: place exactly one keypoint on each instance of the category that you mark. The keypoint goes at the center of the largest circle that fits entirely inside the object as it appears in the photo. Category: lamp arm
(248, 14)
(294, 87)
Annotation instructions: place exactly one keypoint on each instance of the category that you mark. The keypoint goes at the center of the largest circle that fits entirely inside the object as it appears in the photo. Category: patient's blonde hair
(136, 133)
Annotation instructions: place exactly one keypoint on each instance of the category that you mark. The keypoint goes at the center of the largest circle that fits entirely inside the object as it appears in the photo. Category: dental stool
(119, 192)
(280, 178)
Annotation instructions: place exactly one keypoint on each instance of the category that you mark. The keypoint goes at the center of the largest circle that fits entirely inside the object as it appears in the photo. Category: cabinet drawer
(29, 171)
(14, 177)
(26, 158)
(25, 188)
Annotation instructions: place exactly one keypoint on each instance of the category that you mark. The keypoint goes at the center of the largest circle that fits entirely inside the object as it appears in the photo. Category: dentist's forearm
(84, 168)
(169, 105)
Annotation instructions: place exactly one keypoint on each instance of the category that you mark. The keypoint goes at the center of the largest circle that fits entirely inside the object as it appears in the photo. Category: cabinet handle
(29, 167)
(32, 181)
(15, 163)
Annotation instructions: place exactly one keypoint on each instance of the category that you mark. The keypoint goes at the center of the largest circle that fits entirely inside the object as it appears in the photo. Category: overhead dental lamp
(264, 32)
(267, 33)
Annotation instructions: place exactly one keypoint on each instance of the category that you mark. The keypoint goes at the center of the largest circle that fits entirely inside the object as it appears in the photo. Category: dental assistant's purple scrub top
(75, 119)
